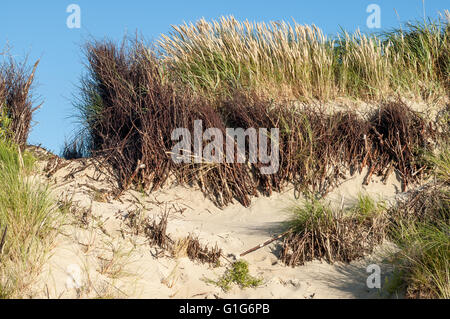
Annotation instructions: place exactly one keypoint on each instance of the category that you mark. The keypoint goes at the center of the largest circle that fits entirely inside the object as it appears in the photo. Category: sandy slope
(96, 256)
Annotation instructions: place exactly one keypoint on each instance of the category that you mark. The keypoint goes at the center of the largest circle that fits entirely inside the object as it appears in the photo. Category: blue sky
(39, 28)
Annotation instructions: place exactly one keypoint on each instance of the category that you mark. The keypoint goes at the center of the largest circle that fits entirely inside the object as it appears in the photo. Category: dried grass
(318, 232)
(16, 102)
(190, 246)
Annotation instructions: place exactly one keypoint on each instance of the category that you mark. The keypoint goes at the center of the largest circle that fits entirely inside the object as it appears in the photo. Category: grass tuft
(422, 264)
(29, 214)
(319, 232)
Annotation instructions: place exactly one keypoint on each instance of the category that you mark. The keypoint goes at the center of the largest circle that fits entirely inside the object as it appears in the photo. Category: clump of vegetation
(400, 138)
(420, 56)
(430, 205)
(319, 232)
(237, 274)
(421, 229)
(28, 215)
(74, 149)
(136, 137)
(441, 164)
(30, 219)
(423, 263)
(419, 225)
(16, 101)
(156, 232)
(196, 251)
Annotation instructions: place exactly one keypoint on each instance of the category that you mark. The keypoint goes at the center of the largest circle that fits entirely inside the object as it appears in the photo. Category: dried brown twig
(3, 239)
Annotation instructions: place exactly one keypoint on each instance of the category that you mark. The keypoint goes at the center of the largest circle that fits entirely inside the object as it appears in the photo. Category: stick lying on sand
(266, 243)
(2, 241)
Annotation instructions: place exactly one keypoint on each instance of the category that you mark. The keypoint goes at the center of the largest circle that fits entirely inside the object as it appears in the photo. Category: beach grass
(318, 231)
(28, 217)
(28, 222)
(421, 230)
(422, 263)
(301, 62)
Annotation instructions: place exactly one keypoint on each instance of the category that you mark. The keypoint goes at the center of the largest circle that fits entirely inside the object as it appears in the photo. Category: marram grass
(28, 211)
(423, 262)
(422, 233)
(301, 62)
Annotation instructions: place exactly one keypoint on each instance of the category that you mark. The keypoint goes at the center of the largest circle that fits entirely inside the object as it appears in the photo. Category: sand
(96, 255)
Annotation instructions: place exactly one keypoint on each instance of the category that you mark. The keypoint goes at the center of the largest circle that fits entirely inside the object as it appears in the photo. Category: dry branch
(266, 243)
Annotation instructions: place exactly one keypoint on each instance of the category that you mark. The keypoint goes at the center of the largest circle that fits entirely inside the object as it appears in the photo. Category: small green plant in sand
(238, 274)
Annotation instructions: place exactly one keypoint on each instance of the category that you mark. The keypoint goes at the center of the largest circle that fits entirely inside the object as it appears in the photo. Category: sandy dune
(96, 255)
